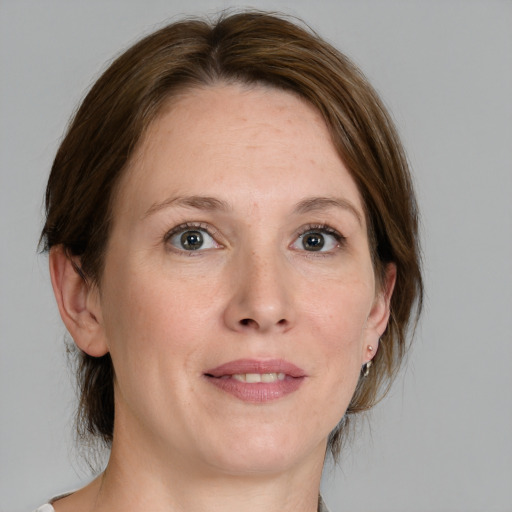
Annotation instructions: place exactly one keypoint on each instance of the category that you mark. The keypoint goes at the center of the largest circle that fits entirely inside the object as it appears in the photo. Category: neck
(140, 484)
(145, 475)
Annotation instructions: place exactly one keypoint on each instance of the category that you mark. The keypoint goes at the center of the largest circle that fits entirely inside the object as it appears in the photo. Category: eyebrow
(205, 203)
(316, 204)
(197, 202)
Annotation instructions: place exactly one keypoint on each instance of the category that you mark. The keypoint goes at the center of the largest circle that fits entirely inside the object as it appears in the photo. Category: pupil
(192, 240)
(313, 241)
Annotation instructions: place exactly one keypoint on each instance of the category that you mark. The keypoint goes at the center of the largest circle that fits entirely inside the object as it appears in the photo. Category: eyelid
(324, 228)
(191, 225)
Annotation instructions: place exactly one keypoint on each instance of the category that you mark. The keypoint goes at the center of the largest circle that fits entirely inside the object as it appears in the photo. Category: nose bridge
(261, 298)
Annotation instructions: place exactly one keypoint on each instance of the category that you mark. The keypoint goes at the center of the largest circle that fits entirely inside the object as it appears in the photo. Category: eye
(318, 239)
(191, 238)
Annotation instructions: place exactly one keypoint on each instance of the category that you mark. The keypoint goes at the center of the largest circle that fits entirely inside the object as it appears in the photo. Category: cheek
(139, 315)
(157, 322)
(337, 318)
(146, 294)
(154, 336)
(340, 309)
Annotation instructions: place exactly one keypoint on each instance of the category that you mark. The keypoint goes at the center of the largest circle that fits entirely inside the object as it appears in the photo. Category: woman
(233, 248)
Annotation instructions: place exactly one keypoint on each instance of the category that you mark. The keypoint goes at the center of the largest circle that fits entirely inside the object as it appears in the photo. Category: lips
(256, 381)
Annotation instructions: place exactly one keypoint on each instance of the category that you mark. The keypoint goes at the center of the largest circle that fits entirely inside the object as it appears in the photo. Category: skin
(253, 290)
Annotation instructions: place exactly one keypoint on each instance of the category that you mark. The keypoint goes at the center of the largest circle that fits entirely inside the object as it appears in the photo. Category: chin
(265, 453)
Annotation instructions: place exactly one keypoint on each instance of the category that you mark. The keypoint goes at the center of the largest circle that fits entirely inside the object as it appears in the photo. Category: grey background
(442, 440)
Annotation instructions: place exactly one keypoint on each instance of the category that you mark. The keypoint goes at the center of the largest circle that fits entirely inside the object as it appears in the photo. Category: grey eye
(192, 240)
(317, 240)
(313, 241)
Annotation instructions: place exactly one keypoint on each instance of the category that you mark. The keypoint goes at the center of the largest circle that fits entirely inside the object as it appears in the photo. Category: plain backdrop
(442, 440)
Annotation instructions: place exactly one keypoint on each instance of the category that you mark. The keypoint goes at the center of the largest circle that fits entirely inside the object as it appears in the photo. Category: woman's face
(238, 297)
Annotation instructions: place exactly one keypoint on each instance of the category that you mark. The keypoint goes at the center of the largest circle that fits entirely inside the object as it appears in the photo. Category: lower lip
(258, 392)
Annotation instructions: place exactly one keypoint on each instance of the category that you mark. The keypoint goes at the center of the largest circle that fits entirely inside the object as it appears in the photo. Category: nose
(261, 298)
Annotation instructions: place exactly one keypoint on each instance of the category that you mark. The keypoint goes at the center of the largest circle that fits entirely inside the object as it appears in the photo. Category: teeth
(258, 377)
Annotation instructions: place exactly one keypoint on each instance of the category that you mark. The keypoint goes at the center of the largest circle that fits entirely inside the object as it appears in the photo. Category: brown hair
(250, 48)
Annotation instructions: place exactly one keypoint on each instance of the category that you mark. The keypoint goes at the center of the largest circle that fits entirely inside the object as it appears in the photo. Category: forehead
(236, 140)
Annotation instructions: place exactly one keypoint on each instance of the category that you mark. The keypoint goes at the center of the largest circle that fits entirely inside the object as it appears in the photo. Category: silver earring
(366, 368)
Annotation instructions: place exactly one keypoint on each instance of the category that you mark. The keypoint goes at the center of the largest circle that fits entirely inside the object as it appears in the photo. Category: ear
(78, 302)
(379, 315)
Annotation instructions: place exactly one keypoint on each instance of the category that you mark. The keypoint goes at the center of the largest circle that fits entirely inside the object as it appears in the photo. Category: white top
(48, 508)
(45, 508)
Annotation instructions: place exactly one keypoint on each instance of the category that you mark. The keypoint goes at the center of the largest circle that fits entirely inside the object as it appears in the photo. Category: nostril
(253, 324)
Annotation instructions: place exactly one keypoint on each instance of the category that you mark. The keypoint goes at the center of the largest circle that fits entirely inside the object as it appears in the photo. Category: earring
(366, 368)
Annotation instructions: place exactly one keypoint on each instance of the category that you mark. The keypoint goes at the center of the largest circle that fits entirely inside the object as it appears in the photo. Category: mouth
(256, 381)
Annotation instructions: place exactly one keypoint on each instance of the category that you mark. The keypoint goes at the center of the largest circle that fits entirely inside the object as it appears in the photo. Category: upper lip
(242, 366)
